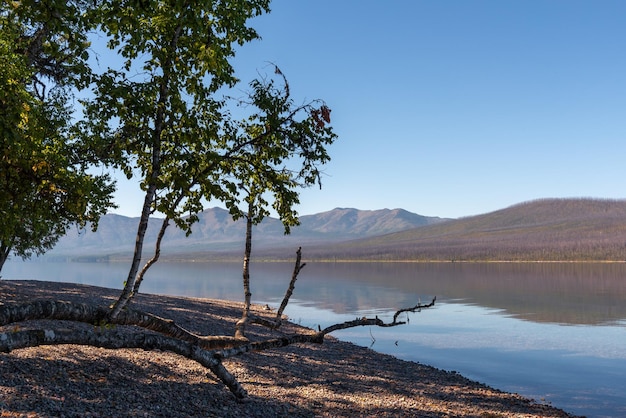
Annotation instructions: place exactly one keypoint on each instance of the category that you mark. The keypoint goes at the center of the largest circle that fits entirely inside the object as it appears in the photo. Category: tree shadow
(76, 383)
(330, 379)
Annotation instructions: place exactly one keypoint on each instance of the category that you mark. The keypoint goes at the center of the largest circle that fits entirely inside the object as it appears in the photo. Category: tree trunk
(99, 315)
(5, 250)
(112, 339)
(129, 285)
(206, 350)
(155, 257)
(240, 326)
(292, 284)
(159, 127)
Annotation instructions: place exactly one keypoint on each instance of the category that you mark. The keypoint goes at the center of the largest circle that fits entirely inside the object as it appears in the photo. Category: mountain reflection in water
(563, 293)
(504, 324)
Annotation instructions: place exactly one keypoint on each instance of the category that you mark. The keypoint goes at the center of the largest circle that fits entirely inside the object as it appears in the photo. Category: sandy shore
(329, 380)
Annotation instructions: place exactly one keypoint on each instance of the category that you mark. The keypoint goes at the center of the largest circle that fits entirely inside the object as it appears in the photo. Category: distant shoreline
(166, 259)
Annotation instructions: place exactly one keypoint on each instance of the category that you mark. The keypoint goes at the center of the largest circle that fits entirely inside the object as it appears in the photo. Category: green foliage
(156, 114)
(159, 114)
(281, 147)
(52, 36)
(44, 180)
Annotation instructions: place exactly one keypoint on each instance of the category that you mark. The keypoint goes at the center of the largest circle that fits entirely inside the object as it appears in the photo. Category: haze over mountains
(548, 229)
(217, 232)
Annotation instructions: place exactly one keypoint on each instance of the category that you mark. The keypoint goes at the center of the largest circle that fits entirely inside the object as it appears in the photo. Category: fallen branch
(114, 340)
(316, 337)
(206, 350)
(361, 322)
(416, 308)
(100, 316)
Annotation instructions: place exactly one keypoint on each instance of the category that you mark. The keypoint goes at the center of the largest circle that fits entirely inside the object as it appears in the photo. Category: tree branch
(154, 259)
(206, 350)
(316, 337)
(296, 270)
(99, 315)
(111, 339)
(416, 308)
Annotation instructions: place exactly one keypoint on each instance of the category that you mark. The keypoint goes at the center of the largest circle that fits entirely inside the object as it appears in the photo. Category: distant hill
(540, 230)
(216, 233)
(547, 229)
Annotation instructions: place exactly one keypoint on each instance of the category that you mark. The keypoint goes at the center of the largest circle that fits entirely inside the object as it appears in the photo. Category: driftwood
(113, 339)
(167, 335)
(316, 337)
(100, 316)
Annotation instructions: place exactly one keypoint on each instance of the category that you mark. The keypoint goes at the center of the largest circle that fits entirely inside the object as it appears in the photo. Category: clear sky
(453, 108)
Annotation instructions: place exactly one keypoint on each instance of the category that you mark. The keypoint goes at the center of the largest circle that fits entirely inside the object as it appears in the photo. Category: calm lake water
(554, 332)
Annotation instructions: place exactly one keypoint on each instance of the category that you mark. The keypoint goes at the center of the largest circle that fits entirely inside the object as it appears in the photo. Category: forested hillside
(547, 229)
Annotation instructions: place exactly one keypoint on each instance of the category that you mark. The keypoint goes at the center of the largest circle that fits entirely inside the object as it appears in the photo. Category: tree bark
(155, 257)
(129, 285)
(240, 326)
(114, 340)
(316, 337)
(292, 284)
(5, 250)
(159, 127)
(208, 351)
(99, 315)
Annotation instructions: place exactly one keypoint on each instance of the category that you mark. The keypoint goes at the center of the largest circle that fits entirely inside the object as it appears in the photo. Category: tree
(276, 132)
(158, 116)
(45, 182)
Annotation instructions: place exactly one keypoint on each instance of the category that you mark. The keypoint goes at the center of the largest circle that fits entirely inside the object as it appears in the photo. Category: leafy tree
(278, 133)
(45, 185)
(157, 116)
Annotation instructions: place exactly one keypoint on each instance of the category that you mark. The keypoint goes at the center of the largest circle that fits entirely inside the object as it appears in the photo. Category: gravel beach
(333, 379)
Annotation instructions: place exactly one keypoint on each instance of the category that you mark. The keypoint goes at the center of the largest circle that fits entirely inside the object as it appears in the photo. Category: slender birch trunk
(240, 327)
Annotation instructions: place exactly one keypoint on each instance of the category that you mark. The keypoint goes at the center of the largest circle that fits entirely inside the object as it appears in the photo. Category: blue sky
(453, 108)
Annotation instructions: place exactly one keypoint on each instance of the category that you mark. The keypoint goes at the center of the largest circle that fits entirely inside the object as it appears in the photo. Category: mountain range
(540, 230)
(217, 233)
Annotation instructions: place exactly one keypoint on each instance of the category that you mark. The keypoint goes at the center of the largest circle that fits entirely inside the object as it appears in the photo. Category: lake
(555, 332)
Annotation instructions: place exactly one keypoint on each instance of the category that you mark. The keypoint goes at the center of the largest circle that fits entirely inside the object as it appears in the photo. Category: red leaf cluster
(321, 116)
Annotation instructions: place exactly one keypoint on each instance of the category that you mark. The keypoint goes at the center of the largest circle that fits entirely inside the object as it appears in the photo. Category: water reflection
(501, 324)
(564, 293)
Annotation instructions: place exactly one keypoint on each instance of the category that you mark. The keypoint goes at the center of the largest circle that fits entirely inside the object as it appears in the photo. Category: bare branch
(316, 337)
(207, 350)
(416, 308)
(292, 284)
(360, 322)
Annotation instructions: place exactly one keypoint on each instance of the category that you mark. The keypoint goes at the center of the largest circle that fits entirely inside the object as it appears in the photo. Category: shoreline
(173, 259)
(332, 379)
